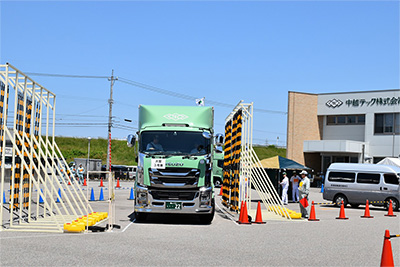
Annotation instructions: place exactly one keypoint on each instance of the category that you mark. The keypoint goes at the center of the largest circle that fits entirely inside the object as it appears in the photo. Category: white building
(343, 127)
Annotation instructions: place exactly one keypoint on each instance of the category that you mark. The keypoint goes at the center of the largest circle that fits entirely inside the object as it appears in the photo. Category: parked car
(355, 183)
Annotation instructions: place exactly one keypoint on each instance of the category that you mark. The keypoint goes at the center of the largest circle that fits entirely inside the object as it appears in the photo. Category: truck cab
(175, 158)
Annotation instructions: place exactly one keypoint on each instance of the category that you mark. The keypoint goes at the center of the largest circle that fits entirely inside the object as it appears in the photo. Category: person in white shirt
(285, 187)
(295, 187)
(304, 190)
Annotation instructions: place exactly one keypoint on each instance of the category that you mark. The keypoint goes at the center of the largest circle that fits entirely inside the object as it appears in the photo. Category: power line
(188, 97)
(152, 88)
(67, 75)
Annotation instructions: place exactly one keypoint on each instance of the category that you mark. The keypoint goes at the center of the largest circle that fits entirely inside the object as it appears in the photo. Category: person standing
(81, 170)
(295, 187)
(72, 170)
(304, 190)
(285, 187)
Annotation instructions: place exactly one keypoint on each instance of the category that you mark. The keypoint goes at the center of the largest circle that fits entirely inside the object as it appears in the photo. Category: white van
(131, 172)
(354, 183)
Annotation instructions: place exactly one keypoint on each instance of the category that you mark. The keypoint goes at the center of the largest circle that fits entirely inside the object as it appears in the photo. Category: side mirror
(219, 139)
(131, 140)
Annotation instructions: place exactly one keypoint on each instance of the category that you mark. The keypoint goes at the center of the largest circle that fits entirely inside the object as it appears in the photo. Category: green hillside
(122, 155)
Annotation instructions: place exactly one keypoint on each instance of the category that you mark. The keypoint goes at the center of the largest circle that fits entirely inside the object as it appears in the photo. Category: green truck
(175, 159)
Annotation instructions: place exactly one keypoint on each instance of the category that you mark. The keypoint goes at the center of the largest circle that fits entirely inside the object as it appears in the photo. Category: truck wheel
(338, 200)
(207, 218)
(395, 204)
(140, 216)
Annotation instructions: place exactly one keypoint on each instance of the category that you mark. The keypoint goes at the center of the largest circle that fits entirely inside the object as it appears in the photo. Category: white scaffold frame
(44, 175)
(251, 171)
(110, 199)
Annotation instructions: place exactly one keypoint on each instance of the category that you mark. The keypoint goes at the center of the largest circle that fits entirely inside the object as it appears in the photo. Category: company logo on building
(334, 103)
(175, 116)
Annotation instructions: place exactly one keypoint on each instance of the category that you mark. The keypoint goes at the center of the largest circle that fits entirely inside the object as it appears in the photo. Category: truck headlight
(141, 196)
(205, 197)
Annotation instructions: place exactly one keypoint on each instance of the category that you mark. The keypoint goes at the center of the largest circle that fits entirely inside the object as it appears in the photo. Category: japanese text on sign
(376, 101)
(158, 163)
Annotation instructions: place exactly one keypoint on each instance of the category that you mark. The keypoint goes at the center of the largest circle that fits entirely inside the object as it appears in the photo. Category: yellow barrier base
(79, 224)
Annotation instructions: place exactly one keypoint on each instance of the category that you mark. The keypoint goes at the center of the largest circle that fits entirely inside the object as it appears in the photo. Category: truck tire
(207, 218)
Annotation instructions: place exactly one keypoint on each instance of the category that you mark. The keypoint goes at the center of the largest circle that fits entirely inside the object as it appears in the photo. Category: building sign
(375, 101)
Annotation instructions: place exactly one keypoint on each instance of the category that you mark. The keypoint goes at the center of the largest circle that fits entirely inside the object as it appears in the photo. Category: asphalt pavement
(170, 240)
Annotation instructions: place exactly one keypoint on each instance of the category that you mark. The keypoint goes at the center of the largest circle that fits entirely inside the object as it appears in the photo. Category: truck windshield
(174, 142)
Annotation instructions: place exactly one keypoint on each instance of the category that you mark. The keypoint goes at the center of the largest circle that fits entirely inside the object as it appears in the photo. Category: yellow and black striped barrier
(332, 203)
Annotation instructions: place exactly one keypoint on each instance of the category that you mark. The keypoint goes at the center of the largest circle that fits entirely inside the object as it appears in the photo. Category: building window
(387, 123)
(346, 119)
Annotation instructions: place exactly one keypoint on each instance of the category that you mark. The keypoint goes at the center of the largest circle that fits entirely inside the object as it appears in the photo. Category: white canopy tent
(390, 161)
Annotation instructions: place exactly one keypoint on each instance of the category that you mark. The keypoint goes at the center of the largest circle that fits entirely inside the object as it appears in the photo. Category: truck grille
(172, 195)
(174, 177)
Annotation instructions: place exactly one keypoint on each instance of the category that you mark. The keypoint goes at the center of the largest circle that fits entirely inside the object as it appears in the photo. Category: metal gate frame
(251, 171)
(39, 160)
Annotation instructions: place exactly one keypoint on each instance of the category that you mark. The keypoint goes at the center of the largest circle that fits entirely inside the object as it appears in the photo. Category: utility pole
(110, 101)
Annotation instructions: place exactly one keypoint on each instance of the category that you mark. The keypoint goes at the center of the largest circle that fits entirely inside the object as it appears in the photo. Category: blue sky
(224, 51)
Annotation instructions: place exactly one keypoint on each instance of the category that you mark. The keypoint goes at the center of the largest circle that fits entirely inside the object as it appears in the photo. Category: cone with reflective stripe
(118, 185)
(387, 254)
(312, 213)
(40, 197)
(101, 197)
(59, 196)
(131, 197)
(101, 183)
(342, 216)
(259, 215)
(245, 216)
(366, 213)
(390, 210)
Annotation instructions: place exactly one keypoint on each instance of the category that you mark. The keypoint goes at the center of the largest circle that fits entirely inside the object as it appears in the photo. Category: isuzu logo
(174, 164)
(175, 116)
(334, 103)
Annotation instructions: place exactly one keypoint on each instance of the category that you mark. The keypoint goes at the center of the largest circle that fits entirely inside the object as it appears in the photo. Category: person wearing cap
(295, 187)
(285, 187)
(155, 144)
(81, 170)
(72, 170)
(304, 190)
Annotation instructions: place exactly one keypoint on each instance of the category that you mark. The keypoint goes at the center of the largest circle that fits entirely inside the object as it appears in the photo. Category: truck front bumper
(146, 201)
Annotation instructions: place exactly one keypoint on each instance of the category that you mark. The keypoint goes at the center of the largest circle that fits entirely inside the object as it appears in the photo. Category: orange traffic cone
(220, 191)
(387, 254)
(390, 211)
(259, 215)
(69, 182)
(244, 217)
(312, 213)
(241, 209)
(341, 214)
(84, 182)
(101, 183)
(366, 213)
(118, 185)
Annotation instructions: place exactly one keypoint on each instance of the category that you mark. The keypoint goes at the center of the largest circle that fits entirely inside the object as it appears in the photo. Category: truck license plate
(173, 205)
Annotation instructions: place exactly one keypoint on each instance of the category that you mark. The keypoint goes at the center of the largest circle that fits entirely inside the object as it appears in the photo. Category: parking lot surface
(171, 240)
